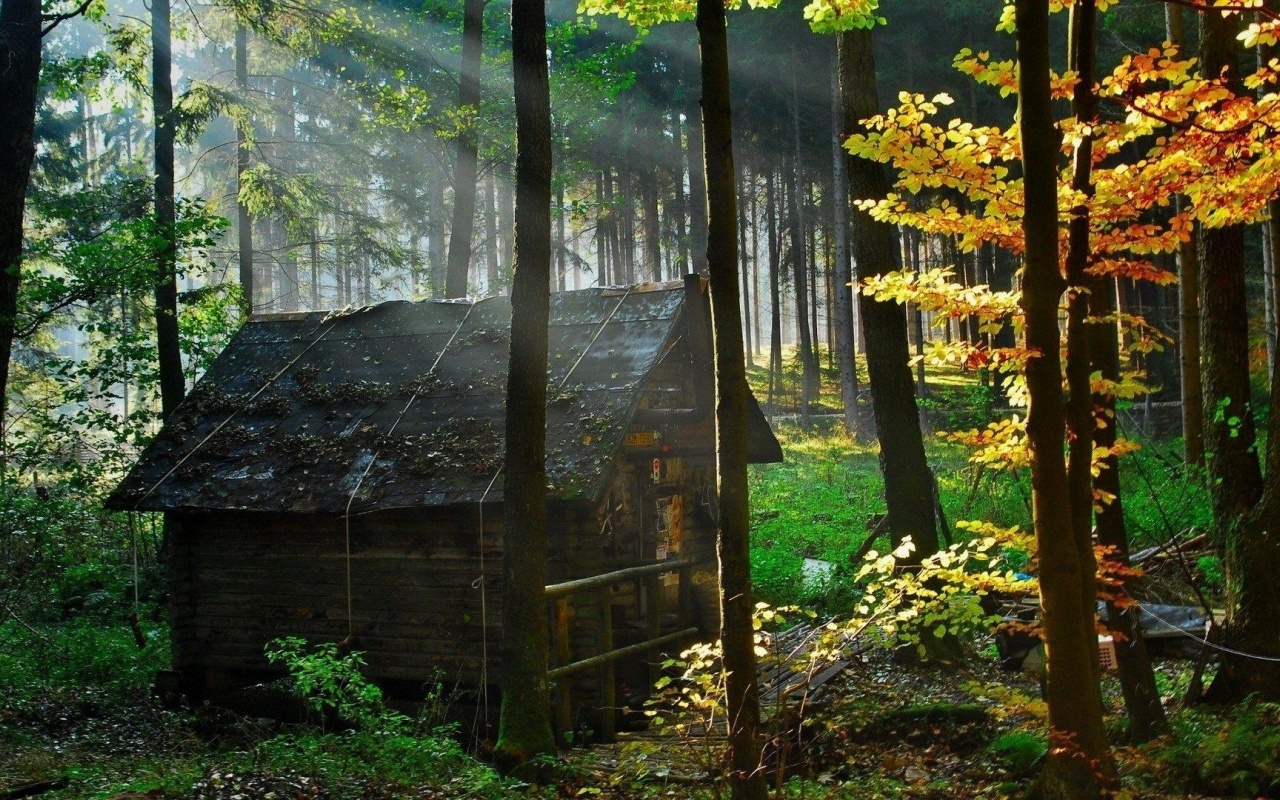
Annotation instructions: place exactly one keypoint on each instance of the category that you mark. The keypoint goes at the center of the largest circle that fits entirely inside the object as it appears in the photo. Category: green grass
(816, 504)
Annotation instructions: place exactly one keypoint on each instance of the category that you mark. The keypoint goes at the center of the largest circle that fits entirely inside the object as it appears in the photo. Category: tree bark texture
(678, 201)
(737, 634)
(747, 266)
(1079, 763)
(697, 193)
(491, 237)
(19, 81)
(908, 481)
(1245, 523)
(1247, 511)
(1079, 407)
(244, 223)
(1224, 334)
(1189, 348)
(1092, 297)
(1133, 662)
(800, 281)
(846, 356)
(172, 383)
(436, 257)
(525, 723)
(844, 291)
(775, 292)
(652, 226)
(464, 171)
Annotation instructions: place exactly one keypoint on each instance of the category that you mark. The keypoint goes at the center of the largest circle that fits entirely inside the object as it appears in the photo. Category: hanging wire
(1204, 641)
(233, 414)
(346, 513)
(480, 582)
(133, 542)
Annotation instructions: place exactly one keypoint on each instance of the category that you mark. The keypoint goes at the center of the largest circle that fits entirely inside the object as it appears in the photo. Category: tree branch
(55, 20)
(1202, 5)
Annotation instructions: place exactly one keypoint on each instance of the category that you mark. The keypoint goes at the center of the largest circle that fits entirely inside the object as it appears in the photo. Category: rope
(223, 424)
(595, 336)
(133, 542)
(1205, 640)
(484, 618)
(346, 513)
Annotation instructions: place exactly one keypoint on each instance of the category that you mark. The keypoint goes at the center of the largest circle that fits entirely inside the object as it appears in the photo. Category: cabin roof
(401, 405)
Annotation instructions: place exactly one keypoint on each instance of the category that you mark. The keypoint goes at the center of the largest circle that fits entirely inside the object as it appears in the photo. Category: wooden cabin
(337, 474)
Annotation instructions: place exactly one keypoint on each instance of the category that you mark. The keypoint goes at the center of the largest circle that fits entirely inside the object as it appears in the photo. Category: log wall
(239, 580)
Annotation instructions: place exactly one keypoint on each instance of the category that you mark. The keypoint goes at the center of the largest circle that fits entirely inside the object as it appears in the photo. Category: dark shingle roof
(400, 405)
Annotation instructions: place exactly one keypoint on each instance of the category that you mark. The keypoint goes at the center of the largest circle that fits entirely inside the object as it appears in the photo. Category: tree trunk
(464, 172)
(602, 231)
(19, 81)
(697, 193)
(737, 633)
(801, 255)
(525, 723)
(652, 225)
(627, 184)
(1079, 763)
(172, 383)
(811, 257)
(915, 242)
(907, 479)
(678, 206)
(1224, 334)
(800, 282)
(746, 268)
(1079, 405)
(1244, 518)
(775, 293)
(315, 264)
(1189, 347)
(244, 223)
(843, 289)
(506, 218)
(755, 260)
(1137, 681)
(435, 233)
(492, 278)
(561, 243)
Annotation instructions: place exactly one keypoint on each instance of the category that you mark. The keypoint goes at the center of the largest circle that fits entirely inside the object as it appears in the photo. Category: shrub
(1238, 755)
(1020, 751)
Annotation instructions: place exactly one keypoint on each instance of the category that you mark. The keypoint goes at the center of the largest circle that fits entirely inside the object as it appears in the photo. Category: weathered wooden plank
(227, 628)
(427, 668)
(251, 577)
(610, 578)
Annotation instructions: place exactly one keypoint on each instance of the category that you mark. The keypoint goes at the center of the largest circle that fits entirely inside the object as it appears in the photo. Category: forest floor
(885, 730)
(78, 719)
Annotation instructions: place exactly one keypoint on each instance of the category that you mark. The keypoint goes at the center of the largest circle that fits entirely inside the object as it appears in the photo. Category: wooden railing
(607, 655)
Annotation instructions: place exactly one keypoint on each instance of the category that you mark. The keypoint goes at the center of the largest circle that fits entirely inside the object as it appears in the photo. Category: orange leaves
(1001, 74)
(1134, 269)
(1113, 574)
(1215, 146)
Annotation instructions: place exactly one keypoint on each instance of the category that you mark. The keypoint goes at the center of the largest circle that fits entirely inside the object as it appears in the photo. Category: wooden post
(608, 682)
(564, 686)
(685, 611)
(653, 588)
